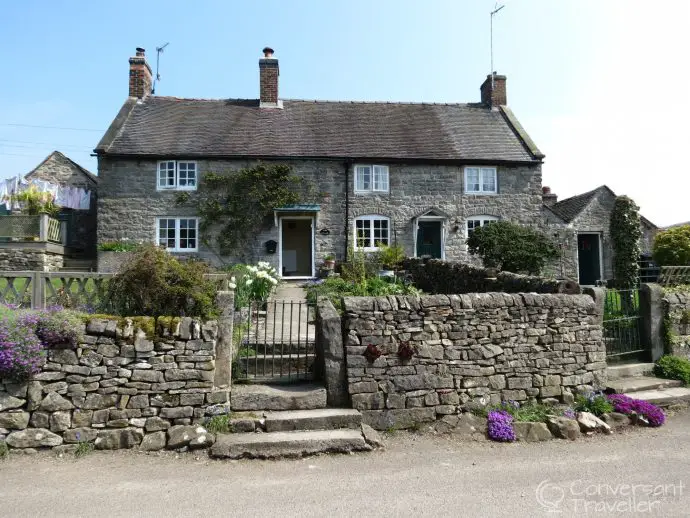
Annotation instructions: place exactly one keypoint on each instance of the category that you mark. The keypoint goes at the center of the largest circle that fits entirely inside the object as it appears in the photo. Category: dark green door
(429, 239)
(588, 258)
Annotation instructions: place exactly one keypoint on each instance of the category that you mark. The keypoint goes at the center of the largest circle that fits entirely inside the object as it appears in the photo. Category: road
(643, 471)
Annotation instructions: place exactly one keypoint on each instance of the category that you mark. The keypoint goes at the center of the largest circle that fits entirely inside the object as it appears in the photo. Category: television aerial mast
(493, 73)
(159, 50)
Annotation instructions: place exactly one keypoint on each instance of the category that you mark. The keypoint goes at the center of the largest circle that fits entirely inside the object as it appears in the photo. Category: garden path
(288, 313)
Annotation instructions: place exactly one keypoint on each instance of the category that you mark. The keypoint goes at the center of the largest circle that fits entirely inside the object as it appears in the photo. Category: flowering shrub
(595, 403)
(21, 351)
(629, 406)
(500, 426)
(253, 283)
(57, 328)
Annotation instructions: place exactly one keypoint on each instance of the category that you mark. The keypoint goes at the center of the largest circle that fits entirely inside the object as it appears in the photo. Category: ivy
(233, 208)
(625, 237)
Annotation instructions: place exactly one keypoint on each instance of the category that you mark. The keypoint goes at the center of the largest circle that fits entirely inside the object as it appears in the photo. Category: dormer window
(371, 178)
(177, 175)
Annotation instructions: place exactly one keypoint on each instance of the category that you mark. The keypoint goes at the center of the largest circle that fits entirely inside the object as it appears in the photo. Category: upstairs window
(177, 234)
(372, 232)
(481, 180)
(371, 178)
(474, 222)
(177, 175)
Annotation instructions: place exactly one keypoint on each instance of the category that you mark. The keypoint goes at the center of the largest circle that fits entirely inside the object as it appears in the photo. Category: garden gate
(276, 342)
(622, 321)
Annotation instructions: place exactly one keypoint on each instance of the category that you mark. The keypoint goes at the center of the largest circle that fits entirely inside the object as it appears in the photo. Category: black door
(429, 239)
(588, 258)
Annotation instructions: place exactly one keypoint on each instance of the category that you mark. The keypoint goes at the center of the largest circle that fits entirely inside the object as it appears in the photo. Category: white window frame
(177, 220)
(372, 243)
(483, 218)
(481, 171)
(176, 185)
(379, 180)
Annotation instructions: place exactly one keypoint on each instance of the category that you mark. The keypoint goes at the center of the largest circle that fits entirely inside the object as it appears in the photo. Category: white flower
(232, 285)
(233, 280)
(248, 282)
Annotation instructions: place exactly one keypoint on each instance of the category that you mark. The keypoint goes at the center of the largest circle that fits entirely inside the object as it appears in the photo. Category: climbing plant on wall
(625, 239)
(233, 208)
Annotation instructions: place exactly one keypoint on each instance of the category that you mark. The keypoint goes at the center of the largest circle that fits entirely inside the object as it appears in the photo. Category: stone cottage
(419, 175)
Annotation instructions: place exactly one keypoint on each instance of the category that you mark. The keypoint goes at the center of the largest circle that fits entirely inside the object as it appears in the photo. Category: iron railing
(277, 342)
(622, 324)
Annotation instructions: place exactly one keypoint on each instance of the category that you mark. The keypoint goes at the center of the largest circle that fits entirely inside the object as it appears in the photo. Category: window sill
(481, 193)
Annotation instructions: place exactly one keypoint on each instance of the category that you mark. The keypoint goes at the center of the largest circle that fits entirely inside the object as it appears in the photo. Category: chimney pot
(268, 52)
(546, 189)
(141, 52)
(547, 197)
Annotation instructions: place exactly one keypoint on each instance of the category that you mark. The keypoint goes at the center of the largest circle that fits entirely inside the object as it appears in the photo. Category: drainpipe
(347, 207)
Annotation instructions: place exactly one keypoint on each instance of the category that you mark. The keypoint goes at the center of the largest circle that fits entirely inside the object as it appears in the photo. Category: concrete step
(637, 384)
(629, 370)
(663, 397)
(287, 444)
(320, 419)
(306, 396)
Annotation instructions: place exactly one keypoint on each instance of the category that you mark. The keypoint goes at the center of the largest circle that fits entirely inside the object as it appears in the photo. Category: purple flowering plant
(629, 406)
(500, 426)
(21, 351)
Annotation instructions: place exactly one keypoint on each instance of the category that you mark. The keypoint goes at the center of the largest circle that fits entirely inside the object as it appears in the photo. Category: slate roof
(170, 126)
(55, 160)
(570, 208)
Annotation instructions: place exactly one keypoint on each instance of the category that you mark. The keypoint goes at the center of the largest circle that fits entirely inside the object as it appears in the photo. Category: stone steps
(629, 370)
(305, 396)
(288, 444)
(663, 397)
(319, 419)
(641, 383)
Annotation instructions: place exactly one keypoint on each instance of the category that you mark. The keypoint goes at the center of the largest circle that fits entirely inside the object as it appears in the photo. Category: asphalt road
(643, 471)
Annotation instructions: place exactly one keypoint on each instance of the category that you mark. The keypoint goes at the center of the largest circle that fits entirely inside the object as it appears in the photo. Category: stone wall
(129, 203)
(118, 389)
(471, 349)
(677, 322)
(29, 259)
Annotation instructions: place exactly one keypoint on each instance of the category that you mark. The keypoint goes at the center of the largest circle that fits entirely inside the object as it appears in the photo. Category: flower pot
(329, 264)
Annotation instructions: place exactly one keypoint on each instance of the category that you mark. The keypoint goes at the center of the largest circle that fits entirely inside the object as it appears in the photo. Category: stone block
(60, 421)
(398, 418)
(118, 439)
(368, 401)
(14, 420)
(33, 438)
(153, 441)
(176, 412)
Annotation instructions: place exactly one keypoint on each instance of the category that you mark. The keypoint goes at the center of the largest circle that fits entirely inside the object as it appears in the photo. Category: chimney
(494, 96)
(140, 77)
(268, 80)
(547, 197)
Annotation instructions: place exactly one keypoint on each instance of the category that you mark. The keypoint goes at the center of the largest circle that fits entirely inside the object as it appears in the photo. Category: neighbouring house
(585, 219)
(66, 241)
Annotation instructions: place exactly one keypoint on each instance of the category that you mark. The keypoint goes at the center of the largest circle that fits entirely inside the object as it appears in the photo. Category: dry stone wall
(471, 349)
(677, 316)
(29, 259)
(118, 389)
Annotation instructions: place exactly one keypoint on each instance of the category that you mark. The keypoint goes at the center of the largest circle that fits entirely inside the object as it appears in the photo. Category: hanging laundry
(85, 200)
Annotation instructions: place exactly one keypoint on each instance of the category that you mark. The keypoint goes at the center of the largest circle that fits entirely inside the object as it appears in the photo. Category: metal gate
(622, 320)
(277, 342)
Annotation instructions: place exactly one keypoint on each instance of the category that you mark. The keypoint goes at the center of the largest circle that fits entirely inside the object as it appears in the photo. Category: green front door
(588, 258)
(429, 239)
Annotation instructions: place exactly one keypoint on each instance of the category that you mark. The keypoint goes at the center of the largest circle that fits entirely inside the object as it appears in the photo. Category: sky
(599, 85)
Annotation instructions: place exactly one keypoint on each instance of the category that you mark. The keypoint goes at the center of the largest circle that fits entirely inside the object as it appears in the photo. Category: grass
(83, 449)
(529, 412)
(4, 450)
(71, 294)
(615, 307)
(335, 288)
(219, 424)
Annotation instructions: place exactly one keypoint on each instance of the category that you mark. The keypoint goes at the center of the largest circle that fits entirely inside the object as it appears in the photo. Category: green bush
(594, 403)
(155, 283)
(391, 257)
(511, 247)
(625, 239)
(673, 367)
(672, 247)
(334, 288)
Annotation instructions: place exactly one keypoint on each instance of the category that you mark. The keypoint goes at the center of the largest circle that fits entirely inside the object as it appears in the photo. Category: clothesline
(62, 195)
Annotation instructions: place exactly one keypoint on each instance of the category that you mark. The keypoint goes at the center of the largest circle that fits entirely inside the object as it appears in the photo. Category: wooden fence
(84, 291)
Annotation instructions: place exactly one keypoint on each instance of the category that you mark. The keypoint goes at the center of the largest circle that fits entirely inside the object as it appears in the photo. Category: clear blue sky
(600, 85)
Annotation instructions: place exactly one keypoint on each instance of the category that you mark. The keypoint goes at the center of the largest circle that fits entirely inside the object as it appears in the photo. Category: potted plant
(329, 262)
(390, 257)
